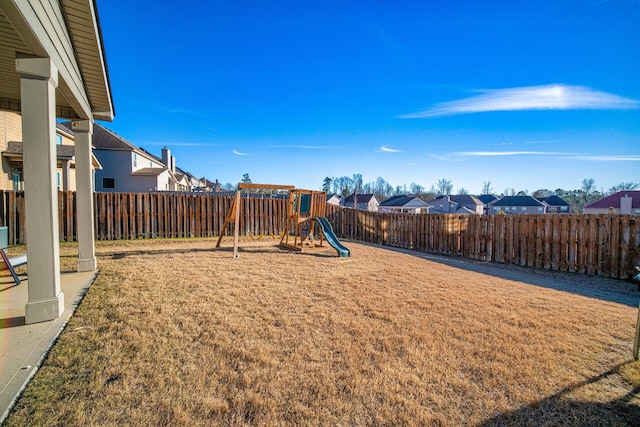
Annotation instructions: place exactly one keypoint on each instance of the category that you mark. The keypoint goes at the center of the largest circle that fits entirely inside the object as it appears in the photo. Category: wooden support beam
(230, 217)
(236, 230)
(636, 341)
(252, 186)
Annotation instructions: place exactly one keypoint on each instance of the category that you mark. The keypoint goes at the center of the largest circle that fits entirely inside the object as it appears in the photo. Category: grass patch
(174, 332)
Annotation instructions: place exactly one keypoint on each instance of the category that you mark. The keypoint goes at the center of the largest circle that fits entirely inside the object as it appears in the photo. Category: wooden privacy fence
(605, 245)
(151, 215)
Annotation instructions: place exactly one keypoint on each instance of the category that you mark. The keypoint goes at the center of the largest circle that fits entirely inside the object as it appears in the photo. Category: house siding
(150, 182)
(518, 209)
(116, 165)
(412, 206)
(11, 131)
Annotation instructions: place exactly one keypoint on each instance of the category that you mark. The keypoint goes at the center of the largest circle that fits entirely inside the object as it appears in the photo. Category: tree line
(345, 185)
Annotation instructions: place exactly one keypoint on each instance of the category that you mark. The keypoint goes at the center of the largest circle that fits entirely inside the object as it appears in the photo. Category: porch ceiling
(84, 91)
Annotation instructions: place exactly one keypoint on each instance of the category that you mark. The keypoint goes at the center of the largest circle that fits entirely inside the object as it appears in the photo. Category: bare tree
(416, 189)
(625, 186)
(444, 186)
(541, 193)
(487, 188)
(400, 190)
(342, 185)
(381, 188)
(509, 191)
(357, 182)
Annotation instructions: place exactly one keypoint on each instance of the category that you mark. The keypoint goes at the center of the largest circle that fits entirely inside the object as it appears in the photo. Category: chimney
(625, 204)
(173, 164)
(166, 157)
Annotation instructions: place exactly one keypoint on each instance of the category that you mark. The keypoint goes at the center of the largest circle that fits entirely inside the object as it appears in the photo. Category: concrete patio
(23, 347)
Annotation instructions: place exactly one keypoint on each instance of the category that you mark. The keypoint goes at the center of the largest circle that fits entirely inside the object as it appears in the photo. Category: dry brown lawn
(174, 332)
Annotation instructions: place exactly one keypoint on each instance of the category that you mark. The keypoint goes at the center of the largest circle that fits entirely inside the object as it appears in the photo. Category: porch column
(38, 82)
(83, 131)
(66, 176)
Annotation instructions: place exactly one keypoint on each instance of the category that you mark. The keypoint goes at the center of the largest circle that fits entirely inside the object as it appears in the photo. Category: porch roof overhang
(149, 171)
(68, 32)
(63, 152)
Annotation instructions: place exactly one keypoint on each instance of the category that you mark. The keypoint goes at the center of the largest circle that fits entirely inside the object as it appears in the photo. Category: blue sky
(526, 95)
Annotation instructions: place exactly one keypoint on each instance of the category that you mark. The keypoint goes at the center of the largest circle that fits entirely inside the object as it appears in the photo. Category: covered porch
(53, 66)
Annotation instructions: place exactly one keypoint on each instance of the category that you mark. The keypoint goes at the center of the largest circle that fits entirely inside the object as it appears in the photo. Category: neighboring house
(127, 168)
(131, 169)
(622, 202)
(333, 199)
(183, 183)
(191, 182)
(487, 200)
(556, 204)
(209, 186)
(518, 205)
(12, 177)
(460, 204)
(404, 204)
(363, 202)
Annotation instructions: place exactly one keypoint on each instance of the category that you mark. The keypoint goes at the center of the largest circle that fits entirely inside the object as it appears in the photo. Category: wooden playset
(305, 211)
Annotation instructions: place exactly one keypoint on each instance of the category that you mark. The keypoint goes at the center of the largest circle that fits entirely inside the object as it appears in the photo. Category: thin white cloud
(549, 97)
(385, 149)
(238, 153)
(556, 154)
(508, 153)
(608, 158)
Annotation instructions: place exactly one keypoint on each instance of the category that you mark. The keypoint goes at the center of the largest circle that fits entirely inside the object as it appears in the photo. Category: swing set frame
(302, 207)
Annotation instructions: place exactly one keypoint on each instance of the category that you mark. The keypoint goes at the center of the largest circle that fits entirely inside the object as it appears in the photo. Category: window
(58, 180)
(58, 139)
(564, 208)
(16, 178)
(150, 164)
(135, 160)
(524, 209)
(540, 209)
(108, 183)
